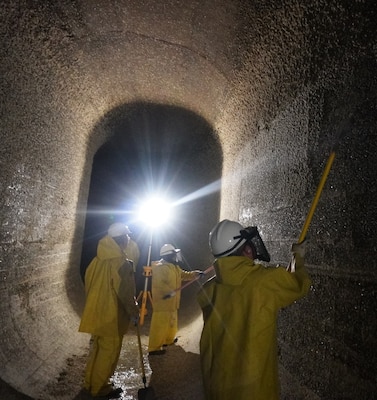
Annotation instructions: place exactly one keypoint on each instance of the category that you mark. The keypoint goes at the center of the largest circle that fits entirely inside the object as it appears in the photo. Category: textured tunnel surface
(246, 97)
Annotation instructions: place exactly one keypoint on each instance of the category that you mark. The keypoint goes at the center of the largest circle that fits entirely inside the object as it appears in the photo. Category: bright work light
(154, 211)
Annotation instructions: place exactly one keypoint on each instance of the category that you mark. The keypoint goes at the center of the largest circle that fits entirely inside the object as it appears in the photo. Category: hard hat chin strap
(245, 235)
(250, 235)
(229, 251)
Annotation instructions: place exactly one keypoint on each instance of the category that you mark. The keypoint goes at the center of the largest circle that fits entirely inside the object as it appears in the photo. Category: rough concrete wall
(40, 141)
(64, 68)
(327, 339)
(275, 79)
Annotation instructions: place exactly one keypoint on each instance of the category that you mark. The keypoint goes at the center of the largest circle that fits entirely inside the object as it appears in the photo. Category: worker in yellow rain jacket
(238, 345)
(109, 307)
(167, 277)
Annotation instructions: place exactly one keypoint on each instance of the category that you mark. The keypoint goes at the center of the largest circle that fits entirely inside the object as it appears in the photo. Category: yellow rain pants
(164, 327)
(238, 345)
(101, 364)
(166, 277)
(109, 306)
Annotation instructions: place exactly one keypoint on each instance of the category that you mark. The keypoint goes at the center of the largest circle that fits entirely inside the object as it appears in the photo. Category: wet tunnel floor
(173, 376)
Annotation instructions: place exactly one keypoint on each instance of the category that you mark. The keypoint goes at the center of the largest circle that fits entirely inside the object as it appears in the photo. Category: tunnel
(231, 108)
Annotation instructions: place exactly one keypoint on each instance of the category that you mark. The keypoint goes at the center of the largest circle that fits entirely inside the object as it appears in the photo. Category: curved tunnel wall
(277, 82)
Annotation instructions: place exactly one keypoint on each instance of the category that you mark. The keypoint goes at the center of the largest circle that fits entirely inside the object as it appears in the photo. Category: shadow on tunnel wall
(153, 148)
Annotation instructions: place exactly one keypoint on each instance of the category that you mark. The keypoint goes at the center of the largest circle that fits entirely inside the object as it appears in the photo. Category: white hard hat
(167, 249)
(118, 229)
(225, 238)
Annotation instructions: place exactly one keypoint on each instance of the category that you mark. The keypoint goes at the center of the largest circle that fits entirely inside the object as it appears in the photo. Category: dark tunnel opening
(155, 149)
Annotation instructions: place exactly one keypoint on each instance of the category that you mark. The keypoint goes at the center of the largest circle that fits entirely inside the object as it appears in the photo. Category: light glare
(154, 212)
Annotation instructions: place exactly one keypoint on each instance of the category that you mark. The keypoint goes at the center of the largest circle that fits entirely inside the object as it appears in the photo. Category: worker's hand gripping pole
(330, 160)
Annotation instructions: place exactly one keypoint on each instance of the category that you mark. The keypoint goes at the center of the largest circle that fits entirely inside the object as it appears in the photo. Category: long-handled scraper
(291, 266)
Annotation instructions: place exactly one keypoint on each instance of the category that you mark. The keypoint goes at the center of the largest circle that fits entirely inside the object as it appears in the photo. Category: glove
(299, 248)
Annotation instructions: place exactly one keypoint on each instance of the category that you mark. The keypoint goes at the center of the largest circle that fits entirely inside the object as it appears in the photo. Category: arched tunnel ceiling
(267, 82)
(208, 55)
(80, 49)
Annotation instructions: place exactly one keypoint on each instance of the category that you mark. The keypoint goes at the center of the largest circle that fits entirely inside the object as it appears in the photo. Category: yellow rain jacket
(238, 346)
(166, 278)
(110, 292)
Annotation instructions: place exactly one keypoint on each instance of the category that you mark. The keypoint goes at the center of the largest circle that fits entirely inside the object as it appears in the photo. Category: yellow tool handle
(317, 196)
